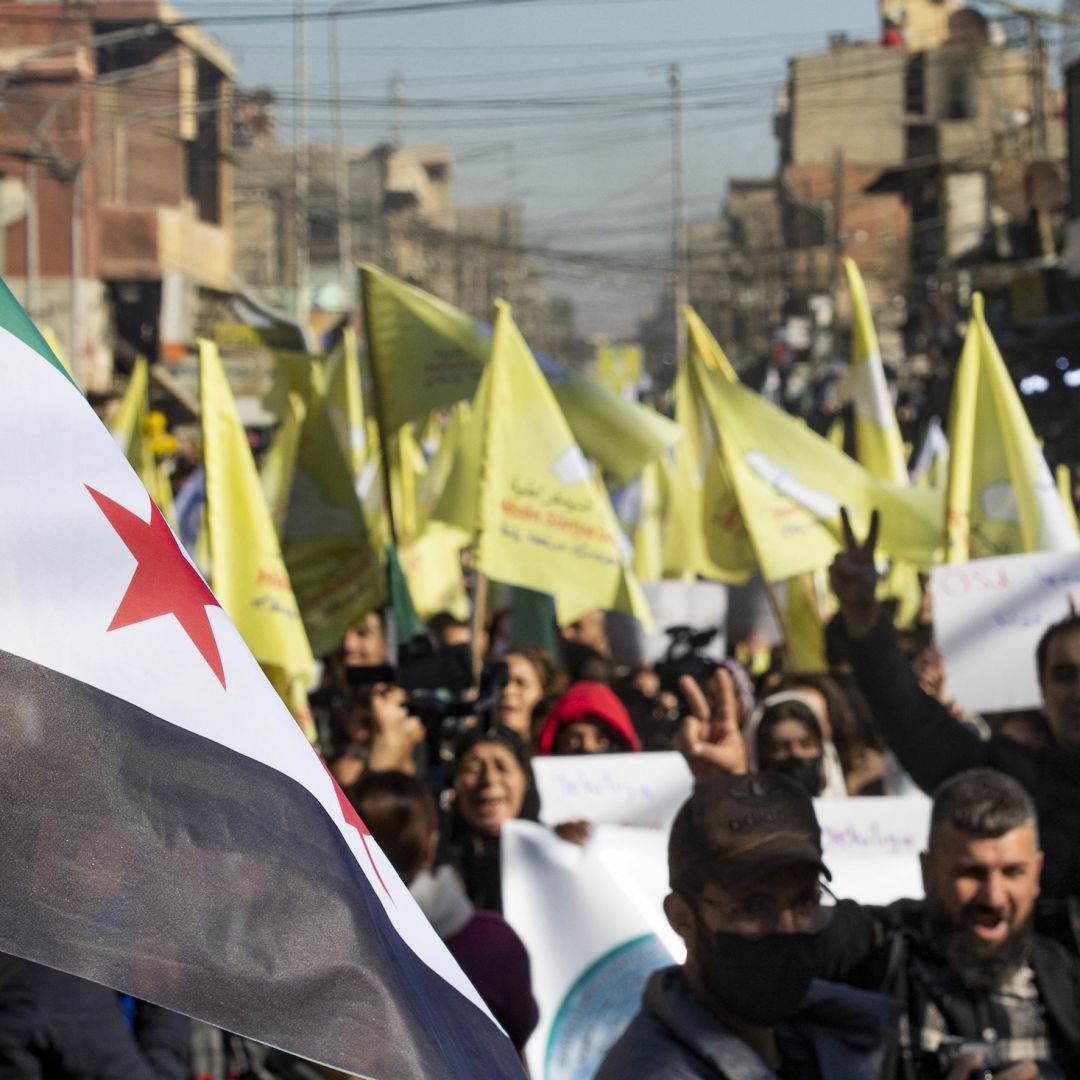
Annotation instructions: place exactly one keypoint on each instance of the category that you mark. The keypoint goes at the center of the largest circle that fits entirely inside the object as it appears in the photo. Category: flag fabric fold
(789, 485)
(168, 831)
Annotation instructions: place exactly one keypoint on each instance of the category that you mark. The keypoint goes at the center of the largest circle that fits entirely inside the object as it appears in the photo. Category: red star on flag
(165, 582)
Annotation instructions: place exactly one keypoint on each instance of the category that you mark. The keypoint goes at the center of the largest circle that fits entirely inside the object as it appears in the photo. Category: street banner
(988, 617)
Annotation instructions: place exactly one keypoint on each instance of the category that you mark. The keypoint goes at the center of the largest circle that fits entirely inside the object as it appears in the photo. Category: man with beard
(989, 988)
(744, 863)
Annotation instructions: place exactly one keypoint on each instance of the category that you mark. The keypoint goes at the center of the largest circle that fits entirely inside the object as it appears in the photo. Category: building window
(915, 85)
(959, 104)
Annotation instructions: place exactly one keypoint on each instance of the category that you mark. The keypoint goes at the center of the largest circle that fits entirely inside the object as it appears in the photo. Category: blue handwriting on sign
(1008, 621)
(1058, 580)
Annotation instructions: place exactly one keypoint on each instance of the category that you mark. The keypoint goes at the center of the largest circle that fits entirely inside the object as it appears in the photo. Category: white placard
(640, 790)
(592, 936)
(871, 846)
(988, 617)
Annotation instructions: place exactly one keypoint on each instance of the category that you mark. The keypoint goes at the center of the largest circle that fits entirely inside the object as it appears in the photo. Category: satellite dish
(13, 200)
(968, 28)
(1022, 187)
(1045, 186)
(1009, 189)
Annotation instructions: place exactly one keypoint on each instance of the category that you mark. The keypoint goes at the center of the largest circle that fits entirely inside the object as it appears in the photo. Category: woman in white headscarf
(785, 735)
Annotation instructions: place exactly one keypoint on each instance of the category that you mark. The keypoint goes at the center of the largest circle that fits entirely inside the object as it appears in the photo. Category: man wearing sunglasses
(744, 864)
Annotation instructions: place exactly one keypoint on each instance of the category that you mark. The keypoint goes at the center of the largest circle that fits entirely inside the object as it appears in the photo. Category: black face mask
(807, 772)
(763, 979)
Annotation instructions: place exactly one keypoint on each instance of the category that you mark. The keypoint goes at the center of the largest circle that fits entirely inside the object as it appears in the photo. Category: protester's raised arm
(854, 578)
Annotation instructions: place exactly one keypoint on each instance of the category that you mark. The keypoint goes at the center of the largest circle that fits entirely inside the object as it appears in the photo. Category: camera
(684, 656)
(954, 1048)
(438, 680)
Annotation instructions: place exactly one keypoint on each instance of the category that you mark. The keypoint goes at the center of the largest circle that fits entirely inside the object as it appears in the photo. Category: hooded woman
(588, 719)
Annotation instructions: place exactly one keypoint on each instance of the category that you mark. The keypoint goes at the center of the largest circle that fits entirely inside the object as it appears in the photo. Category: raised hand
(854, 578)
(709, 738)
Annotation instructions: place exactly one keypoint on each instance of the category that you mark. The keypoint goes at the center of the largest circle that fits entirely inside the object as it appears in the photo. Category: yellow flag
(789, 484)
(836, 434)
(49, 334)
(427, 355)
(1002, 499)
(878, 443)
(432, 566)
(705, 347)
(345, 401)
(1064, 478)
(129, 428)
(279, 464)
(806, 610)
(648, 530)
(704, 531)
(336, 569)
(249, 575)
(543, 522)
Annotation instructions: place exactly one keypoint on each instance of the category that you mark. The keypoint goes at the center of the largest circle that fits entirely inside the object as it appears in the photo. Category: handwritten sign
(871, 846)
(644, 790)
(988, 617)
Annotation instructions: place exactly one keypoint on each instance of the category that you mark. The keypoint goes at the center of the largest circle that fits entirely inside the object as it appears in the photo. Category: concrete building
(117, 127)
(389, 205)
(931, 157)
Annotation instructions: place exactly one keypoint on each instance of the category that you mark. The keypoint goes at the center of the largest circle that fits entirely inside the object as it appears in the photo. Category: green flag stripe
(17, 322)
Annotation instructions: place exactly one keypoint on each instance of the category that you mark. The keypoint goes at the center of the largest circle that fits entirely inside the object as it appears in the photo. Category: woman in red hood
(588, 719)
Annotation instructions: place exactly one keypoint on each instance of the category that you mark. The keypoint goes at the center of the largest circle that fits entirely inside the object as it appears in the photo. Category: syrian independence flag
(165, 828)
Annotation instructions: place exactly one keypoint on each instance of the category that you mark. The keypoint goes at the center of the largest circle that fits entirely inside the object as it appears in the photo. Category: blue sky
(564, 106)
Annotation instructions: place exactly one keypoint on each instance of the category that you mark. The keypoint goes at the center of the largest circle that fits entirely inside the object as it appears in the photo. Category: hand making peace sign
(710, 739)
(854, 578)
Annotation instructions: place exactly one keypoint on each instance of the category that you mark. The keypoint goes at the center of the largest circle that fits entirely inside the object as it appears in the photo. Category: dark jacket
(54, 1026)
(933, 746)
(888, 950)
(841, 1031)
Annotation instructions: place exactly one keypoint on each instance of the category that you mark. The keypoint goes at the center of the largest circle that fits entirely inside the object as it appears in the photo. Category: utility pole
(301, 163)
(679, 276)
(394, 88)
(341, 183)
(1038, 87)
(836, 241)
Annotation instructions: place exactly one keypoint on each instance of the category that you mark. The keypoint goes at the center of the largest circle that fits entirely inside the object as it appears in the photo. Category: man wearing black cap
(744, 864)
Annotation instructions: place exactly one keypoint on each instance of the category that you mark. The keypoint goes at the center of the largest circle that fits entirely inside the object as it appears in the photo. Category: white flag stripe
(53, 446)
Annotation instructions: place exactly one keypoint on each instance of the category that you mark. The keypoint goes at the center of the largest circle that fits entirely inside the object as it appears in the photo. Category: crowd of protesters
(981, 978)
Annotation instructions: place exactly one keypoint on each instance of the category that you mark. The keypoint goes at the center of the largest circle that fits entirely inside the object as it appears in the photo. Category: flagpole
(479, 617)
